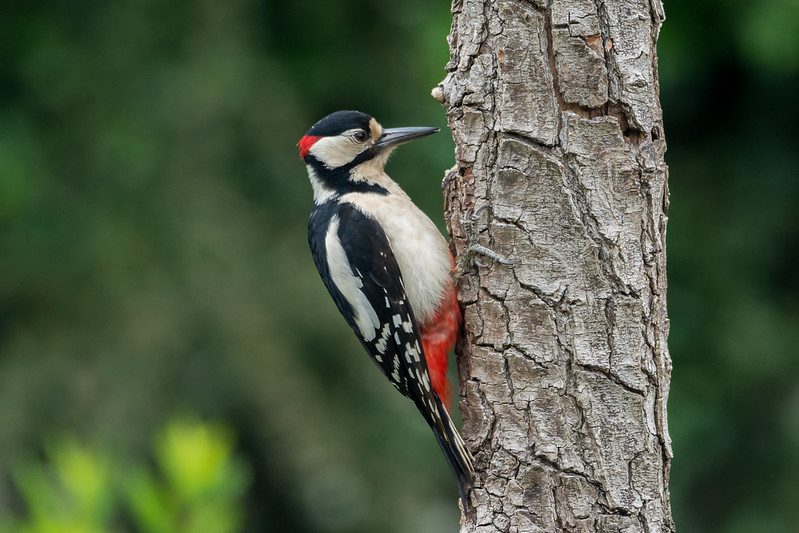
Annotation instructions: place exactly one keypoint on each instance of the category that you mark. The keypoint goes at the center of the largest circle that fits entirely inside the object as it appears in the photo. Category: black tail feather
(458, 456)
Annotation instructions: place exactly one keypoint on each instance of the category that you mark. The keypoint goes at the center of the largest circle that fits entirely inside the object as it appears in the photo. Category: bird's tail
(458, 456)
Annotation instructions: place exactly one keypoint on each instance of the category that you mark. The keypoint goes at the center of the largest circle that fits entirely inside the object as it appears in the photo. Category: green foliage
(198, 487)
(72, 493)
(201, 486)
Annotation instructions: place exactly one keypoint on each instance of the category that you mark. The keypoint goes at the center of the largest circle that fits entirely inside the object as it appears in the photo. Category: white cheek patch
(336, 151)
(349, 284)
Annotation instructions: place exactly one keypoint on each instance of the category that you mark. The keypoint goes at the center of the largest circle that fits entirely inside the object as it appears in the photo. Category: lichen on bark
(563, 363)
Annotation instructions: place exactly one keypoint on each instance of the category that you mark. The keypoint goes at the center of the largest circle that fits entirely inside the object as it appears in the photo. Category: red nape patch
(305, 144)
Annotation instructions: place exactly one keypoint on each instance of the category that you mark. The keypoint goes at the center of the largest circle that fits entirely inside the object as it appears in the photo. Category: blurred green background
(157, 294)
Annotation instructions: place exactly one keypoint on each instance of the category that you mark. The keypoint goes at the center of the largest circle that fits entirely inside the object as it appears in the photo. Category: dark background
(153, 261)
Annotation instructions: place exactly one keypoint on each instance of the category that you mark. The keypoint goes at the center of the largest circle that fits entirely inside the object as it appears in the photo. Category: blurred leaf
(152, 508)
(202, 482)
(196, 460)
(73, 493)
(86, 477)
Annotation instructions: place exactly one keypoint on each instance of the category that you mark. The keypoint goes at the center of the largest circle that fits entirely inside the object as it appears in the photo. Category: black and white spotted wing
(359, 268)
(377, 307)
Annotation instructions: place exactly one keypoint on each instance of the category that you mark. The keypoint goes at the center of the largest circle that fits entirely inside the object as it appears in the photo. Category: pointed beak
(395, 136)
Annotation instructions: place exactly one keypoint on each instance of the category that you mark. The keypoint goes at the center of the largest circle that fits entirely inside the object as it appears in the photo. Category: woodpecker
(386, 265)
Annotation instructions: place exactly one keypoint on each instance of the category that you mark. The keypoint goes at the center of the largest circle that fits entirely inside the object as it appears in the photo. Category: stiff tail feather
(458, 456)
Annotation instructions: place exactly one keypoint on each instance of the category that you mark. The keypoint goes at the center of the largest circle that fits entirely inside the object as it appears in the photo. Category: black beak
(394, 136)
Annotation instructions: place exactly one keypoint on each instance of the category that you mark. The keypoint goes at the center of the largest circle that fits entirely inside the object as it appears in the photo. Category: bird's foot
(474, 249)
(469, 258)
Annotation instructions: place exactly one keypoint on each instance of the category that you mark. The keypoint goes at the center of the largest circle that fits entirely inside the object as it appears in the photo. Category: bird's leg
(474, 248)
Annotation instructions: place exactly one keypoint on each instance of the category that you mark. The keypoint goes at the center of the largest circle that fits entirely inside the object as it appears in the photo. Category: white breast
(421, 251)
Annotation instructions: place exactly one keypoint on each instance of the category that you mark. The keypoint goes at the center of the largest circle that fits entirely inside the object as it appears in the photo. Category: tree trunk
(564, 366)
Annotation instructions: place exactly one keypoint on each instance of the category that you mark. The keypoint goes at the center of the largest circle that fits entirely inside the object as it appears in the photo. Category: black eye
(359, 136)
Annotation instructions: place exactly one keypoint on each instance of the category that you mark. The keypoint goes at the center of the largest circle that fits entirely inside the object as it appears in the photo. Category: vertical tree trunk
(564, 367)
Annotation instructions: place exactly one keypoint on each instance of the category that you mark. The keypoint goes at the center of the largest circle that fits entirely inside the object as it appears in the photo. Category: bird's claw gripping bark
(475, 249)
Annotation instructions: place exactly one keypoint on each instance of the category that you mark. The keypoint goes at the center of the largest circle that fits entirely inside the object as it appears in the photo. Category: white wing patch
(381, 344)
(348, 284)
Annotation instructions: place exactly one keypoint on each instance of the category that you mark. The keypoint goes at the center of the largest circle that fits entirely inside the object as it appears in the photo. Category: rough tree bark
(563, 363)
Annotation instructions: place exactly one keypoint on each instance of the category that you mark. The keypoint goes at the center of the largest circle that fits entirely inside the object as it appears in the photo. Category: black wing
(396, 346)
(387, 328)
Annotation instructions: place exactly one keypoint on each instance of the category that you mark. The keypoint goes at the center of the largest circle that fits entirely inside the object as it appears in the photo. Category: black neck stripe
(338, 178)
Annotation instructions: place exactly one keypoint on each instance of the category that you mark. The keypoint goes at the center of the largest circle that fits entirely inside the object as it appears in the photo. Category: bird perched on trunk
(386, 265)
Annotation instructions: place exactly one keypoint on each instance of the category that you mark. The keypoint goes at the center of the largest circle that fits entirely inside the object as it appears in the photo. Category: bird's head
(337, 145)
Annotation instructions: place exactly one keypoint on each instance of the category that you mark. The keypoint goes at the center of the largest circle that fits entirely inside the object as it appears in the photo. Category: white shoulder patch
(349, 284)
